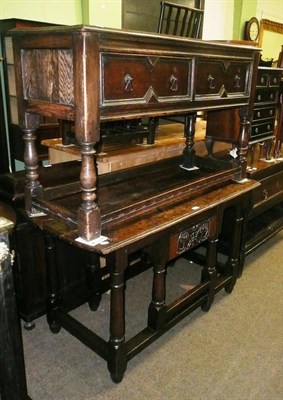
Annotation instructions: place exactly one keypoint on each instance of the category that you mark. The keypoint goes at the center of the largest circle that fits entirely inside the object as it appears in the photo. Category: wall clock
(252, 30)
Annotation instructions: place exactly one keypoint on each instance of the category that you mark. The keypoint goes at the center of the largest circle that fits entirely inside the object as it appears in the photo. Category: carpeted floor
(233, 352)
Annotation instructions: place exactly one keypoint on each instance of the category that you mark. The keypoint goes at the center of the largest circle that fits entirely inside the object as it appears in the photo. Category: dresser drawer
(262, 129)
(218, 79)
(263, 113)
(268, 78)
(142, 79)
(266, 95)
(270, 187)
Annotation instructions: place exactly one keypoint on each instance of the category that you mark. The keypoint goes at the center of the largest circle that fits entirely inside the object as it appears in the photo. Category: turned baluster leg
(89, 224)
(243, 145)
(117, 357)
(32, 187)
(189, 152)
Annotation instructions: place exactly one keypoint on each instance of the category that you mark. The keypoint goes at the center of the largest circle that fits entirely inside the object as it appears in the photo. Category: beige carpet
(233, 352)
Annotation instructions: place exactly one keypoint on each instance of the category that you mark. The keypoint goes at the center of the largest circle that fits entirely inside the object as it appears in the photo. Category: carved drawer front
(189, 238)
(143, 79)
(268, 78)
(270, 187)
(266, 96)
(263, 113)
(262, 129)
(220, 79)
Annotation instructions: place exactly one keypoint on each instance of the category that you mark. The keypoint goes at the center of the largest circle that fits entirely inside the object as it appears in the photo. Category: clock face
(254, 31)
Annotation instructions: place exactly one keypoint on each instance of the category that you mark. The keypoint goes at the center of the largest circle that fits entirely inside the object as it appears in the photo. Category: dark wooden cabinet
(263, 115)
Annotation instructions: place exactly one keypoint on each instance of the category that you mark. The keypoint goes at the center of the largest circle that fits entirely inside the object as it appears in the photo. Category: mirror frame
(268, 25)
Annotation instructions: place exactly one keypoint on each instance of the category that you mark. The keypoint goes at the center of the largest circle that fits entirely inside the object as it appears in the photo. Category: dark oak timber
(94, 75)
(159, 211)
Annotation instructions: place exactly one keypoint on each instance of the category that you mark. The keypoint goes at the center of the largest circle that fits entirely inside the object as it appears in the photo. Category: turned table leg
(117, 357)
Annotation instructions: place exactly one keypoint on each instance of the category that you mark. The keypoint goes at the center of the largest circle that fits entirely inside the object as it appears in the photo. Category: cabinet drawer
(217, 79)
(268, 78)
(141, 79)
(263, 129)
(270, 187)
(263, 113)
(266, 95)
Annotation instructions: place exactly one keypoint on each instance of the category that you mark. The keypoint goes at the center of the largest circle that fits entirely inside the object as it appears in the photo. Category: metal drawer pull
(128, 80)
(258, 114)
(256, 130)
(265, 194)
(271, 96)
(174, 83)
(262, 79)
(237, 82)
(259, 97)
(271, 112)
(211, 82)
(268, 127)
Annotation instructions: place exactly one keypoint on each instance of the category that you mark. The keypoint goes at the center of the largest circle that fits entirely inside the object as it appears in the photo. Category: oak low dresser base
(158, 236)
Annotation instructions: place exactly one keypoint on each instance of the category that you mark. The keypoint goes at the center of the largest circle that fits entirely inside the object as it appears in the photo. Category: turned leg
(189, 151)
(53, 300)
(89, 224)
(32, 187)
(209, 143)
(157, 306)
(243, 143)
(94, 280)
(209, 272)
(268, 145)
(117, 357)
(232, 263)
(152, 126)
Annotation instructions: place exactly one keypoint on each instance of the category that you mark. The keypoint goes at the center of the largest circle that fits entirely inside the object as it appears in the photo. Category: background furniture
(13, 384)
(220, 124)
(145, 19)
(179, 20)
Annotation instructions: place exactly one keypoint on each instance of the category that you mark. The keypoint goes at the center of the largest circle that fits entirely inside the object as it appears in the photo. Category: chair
(180, 20)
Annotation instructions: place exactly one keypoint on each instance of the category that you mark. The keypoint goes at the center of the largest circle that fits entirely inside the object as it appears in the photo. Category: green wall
(243, 11)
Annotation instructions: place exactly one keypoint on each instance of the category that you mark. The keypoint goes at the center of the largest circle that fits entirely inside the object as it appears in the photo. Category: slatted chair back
(179, 20)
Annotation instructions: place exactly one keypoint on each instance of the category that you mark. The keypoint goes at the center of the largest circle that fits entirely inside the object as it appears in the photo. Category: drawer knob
(237, 82)
(128, 81)
(262, 79)
(259, 97)
(258, 114)
(173, 83)
(211, 82)
(271, 96)
(265, 194)
(271, 112)
(256, 130)
(268, 127)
